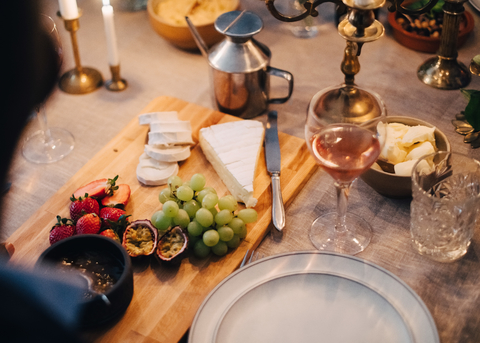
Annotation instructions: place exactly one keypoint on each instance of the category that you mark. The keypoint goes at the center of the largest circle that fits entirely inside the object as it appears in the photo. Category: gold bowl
(179, 35)
(395, 186)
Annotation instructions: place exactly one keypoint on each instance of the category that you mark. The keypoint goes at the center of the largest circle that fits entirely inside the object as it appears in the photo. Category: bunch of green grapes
(213, 224)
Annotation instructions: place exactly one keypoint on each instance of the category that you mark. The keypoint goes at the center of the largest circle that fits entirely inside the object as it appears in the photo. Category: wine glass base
(354, 240)
(36, 150)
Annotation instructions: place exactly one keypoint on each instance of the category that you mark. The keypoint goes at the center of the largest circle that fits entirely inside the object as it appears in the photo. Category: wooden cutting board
(165, 299)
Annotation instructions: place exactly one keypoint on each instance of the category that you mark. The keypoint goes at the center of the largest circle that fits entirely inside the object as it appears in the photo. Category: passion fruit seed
(139, 240)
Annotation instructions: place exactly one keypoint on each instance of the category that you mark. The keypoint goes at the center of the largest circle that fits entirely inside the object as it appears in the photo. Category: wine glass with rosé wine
(345, 147)
(48, 144)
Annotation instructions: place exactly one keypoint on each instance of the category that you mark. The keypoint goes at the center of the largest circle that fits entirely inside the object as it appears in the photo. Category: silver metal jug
(240, 66)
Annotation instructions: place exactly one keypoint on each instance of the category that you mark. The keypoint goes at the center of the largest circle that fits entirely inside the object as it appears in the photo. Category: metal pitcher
(240, 66)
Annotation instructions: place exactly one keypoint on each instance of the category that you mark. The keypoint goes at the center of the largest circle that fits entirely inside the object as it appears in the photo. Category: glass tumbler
(445, 206)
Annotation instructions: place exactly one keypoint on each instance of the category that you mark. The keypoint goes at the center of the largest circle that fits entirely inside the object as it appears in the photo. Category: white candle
(107, 12)
(68, 9)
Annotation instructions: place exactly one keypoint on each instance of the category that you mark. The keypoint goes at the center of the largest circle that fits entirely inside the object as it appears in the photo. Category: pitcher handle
(287, 76)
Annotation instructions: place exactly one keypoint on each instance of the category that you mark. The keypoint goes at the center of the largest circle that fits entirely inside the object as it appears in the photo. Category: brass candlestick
(444, 71)
(79, 80)
(116, 84)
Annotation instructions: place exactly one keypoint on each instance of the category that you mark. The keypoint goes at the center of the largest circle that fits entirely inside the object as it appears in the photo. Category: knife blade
(273, 160)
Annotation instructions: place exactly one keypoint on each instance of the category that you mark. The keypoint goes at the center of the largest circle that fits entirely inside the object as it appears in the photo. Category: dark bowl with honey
(106, 268)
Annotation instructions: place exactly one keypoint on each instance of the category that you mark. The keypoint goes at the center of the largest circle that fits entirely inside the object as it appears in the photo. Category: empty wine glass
(345, 146)
(48, 144)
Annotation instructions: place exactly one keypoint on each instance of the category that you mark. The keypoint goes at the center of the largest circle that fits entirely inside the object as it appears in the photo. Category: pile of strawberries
(96, 208)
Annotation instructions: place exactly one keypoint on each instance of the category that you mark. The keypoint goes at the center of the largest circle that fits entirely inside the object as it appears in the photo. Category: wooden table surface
(154, 68)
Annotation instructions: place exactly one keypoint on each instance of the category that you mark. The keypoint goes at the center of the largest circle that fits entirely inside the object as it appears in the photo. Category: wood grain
(165, 298)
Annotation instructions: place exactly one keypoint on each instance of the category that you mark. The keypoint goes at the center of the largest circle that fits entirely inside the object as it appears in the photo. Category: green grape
(237, 225)
(226, 203)
(194, 228)
(202, 194)
(204, 217)
(209, 200)
(223, 217)
(211, 237)
(225, 233)
(234, 242)
(184, 193)
(220, 248)
(211, 190)
(165, 195)
(248, 215)
(197, 182)
(174, 182)
(170, 208)
(234, 201)
(191, 206)
(192, 240)
(161, 221)
(213, 211)
(182, 219)
(200, 249)
(186, 183)
(242, 233)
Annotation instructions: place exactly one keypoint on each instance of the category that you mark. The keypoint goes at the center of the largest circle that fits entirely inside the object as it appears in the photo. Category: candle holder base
(116, 84)
(81, 81)
(444, 73)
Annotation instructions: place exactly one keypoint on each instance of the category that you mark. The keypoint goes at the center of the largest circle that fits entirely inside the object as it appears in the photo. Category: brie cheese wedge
(233, 149)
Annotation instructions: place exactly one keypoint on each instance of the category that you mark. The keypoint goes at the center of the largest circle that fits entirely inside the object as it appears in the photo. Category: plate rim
(336, 256)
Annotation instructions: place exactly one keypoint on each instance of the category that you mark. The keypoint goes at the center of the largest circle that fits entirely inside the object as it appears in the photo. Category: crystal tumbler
(445, 206)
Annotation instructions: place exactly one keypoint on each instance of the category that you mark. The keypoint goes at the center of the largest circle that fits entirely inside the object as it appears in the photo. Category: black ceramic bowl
(96, 309)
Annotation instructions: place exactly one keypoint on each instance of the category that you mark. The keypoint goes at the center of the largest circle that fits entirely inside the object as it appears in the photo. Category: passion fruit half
(140, 238)
(172, 245)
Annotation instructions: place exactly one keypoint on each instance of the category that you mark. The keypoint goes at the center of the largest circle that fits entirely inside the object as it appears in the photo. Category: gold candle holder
(116, 84)
(444, 71)
(80, 80)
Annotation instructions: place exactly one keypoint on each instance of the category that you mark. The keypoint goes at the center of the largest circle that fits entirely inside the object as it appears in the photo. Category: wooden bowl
(395, 186)
(428, 44)
(180, 36)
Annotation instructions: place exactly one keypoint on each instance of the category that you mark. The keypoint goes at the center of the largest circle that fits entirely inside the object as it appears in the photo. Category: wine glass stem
(342, 200)
(42, 120)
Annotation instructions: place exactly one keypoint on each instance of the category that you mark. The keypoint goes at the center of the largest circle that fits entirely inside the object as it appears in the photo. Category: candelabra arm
(309, 7)
(396, 5)
(350, 64)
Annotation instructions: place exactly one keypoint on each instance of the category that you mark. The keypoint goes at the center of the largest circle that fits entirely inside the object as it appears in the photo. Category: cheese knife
(272, 157)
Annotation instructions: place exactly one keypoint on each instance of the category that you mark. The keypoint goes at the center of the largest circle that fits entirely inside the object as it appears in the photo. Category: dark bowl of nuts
(422, 32)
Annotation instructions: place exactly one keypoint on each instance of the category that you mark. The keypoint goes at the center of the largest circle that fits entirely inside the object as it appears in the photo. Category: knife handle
(278, 211)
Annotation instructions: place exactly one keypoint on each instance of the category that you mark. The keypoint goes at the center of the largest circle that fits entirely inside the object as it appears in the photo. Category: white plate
(312, 297)
(476, 4)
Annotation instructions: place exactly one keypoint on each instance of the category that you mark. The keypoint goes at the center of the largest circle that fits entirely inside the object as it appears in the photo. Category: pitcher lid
(239, 24)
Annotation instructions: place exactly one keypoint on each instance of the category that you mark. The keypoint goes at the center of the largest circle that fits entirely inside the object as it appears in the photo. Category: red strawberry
(111, 234)
(98, 188)
(108, 214)
(62, 229)
(83, 205)
(120, 196)
(89, 223)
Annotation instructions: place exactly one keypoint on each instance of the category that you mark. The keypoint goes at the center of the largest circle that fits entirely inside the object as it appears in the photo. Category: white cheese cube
(420, 150)
(404, 168)
(419, 133)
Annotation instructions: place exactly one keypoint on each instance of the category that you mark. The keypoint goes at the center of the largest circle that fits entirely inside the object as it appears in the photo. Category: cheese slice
(169, 126)
(147, 118)
(170, 138)
(233, 149)
(168, 154)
